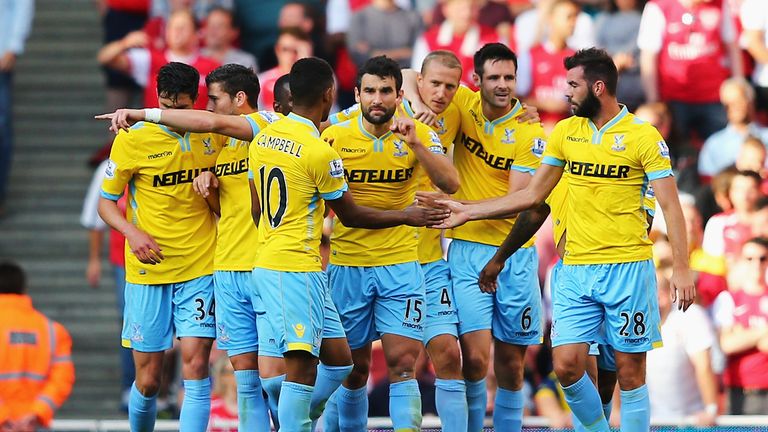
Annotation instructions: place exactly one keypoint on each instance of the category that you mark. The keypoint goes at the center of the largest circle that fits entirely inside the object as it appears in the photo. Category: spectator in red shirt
(685, 46)
(541, 75)
(131, 56)
(460, 33)
(726, 233)
(741, 314)
(292, 44)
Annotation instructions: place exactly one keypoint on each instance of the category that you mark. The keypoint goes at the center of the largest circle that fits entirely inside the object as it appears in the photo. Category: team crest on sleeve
(337, 168)
(435, 145)
(649, 193)
(348, 111)
(400, 149)
(509, 136)
(109, 170)
(269, 116)
(208, 147)
(618, 143)
(663, 149)
(538, 147)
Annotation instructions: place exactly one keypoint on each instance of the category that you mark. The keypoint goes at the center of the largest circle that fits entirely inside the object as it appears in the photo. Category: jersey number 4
(266, 180)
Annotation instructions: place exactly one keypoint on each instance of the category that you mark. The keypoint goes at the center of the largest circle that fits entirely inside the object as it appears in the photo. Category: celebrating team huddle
(229, 205)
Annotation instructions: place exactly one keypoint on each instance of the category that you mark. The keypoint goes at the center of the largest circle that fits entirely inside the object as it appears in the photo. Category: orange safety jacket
(36, 370)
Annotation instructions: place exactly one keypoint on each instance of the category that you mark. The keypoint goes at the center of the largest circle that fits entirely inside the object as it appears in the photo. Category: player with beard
(495, 154)
(375, 277)
(608, 276)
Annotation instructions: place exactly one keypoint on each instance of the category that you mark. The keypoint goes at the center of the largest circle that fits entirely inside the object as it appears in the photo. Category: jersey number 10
(266, 181)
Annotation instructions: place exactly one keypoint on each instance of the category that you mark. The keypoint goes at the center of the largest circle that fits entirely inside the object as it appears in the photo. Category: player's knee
(567, 369)
(631, 377)
(148, 385)
(195, 367)
(359, 375)
(402, 366)
(509, 372)
(447, 361)
(475, 364)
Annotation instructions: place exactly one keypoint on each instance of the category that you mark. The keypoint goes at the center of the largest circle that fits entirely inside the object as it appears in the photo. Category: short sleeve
(430, 139)
(722, 310)
(553, 152)
(140, 60)
(754, 15)
(120, 167)
(327, 171)
(653, 154)
(530, 150)
(649, 37)
(89, 217)
(344, 114)
(463, 96)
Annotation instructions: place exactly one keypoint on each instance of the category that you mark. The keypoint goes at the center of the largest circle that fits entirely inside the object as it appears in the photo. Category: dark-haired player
(171, 234)
(608, 276)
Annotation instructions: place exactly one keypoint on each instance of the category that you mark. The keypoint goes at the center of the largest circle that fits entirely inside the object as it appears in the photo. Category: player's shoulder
(340, 129)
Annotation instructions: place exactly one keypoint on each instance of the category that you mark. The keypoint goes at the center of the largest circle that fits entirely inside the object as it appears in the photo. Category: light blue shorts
(441, 312)
(604, 353)
(235, 317)
(268, 343)
(622, 297)
(379, 300)
(153, 313)
(513, 313)
(293, 305)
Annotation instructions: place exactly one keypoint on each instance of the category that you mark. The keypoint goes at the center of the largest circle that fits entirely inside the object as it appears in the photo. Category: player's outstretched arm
(438, 167)
(352, 215)
(526, 225)
(237, 127)
(532, 195)
(681, 282)
(142, 244)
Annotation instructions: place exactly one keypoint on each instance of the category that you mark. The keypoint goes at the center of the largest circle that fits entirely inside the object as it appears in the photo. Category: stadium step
(58, 89)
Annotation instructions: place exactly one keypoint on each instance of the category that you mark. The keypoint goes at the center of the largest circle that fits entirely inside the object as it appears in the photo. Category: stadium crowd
(697, 70)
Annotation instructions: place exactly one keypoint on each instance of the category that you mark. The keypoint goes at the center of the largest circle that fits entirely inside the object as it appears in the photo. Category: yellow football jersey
(237, 235)
(484, 154)
(381, 174)
(447, 126)
(293, 171)
(558, 204)
(608, 177)
(158, 165)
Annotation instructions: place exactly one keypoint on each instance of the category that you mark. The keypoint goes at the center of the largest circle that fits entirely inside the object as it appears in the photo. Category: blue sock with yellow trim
(405, 405)
(272, 387)
(196, 408)
(353, 409)
(477, 399)
(142, 411)
(293, 408)
(508, 410)
(635, 410)
(585, 403)
(252, 409)
(451, 404)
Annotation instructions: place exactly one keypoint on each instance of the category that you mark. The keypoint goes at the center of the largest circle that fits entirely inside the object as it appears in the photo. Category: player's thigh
(517, 313)
(474, 307)
(294, 305)
(148, 320)
(441, 312)
(576, 316)
(631, 305)
(236, 327)
(400, 307)
(267, 341)
(194, 313)
(352, 294)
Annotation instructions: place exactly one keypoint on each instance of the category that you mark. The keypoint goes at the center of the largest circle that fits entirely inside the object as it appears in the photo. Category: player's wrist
(153, 115)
